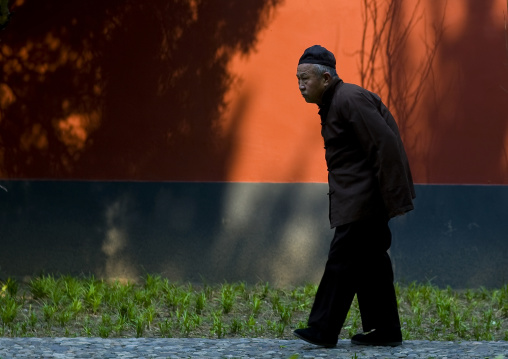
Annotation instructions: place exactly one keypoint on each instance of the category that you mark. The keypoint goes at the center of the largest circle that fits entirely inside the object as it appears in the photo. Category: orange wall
(458, 132)
(207, 91)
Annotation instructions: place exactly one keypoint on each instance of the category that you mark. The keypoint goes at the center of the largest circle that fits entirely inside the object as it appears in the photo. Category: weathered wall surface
(238, 232)
(169, 129)
(206, 91)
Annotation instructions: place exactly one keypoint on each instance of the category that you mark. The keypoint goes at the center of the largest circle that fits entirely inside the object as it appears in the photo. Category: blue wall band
(276, 232)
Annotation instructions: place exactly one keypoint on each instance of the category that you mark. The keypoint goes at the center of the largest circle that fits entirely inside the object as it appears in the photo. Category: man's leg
(376, 296)
(334, 295)
(338, 284)
(376, 293)
(333, 298)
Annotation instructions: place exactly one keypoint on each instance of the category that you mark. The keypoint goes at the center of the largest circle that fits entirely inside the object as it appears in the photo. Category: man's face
(311, 86)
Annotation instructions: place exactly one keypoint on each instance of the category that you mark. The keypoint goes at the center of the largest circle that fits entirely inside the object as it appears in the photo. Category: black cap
(317, 55)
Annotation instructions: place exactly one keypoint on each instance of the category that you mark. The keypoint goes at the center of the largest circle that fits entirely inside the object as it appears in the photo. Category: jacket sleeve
(379, 137)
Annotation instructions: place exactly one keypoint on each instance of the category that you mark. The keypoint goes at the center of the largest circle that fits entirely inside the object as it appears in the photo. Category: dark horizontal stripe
(239, 231)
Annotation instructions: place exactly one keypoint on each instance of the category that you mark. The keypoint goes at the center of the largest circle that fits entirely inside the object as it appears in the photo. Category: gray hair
(321, 69)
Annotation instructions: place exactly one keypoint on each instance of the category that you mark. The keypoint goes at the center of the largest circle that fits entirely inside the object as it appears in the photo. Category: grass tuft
(84, 306)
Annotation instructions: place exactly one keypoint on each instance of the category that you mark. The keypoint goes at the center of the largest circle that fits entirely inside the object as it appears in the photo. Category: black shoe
(384, 338)
(314, 336)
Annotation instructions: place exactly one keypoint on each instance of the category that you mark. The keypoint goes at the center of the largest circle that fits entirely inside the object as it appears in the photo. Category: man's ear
(327, 77)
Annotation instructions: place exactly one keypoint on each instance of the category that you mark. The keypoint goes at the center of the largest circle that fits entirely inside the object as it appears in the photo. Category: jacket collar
(328, 95)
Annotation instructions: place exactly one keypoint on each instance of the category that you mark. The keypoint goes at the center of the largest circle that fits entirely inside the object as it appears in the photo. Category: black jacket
(369, 172)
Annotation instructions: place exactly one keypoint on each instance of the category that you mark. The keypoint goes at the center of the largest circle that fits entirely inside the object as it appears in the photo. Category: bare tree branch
(402, 88)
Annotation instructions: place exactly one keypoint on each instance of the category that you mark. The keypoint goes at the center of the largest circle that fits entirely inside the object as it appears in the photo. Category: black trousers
(358, 263)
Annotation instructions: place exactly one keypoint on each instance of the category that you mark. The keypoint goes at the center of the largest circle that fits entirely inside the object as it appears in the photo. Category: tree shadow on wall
(454, 91)
(121, 89)
(385, 66)
(471, 139)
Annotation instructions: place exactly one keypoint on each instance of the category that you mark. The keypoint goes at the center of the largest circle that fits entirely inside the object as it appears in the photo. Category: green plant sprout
(49, 305)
